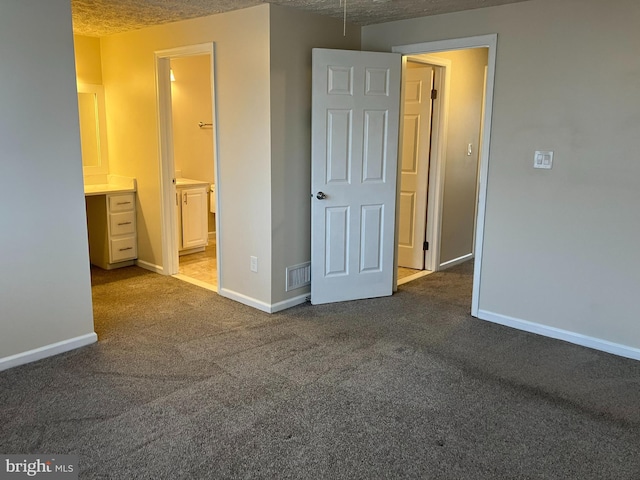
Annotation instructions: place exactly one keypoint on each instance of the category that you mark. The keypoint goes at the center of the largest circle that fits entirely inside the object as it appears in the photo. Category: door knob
(321, 196)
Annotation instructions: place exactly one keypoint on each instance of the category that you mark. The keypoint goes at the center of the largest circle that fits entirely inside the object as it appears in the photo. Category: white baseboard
(239, 297)
(150, 266)
(290, 302)
(263, 306)
(47, 351)
(559, 334)
(456, 261)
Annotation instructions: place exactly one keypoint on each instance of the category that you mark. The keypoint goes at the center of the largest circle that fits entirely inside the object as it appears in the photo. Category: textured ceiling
(106, 17)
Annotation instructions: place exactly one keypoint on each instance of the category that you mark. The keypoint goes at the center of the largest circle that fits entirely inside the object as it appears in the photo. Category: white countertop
(105, 188)
(114, 184)
(188, 182)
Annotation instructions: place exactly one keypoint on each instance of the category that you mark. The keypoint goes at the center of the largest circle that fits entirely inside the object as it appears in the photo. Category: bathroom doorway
(194, 163)
(186, 100)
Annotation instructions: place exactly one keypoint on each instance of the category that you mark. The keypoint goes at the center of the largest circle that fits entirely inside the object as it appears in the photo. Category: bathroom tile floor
(202, 266)
(406, 272)
(406, 275)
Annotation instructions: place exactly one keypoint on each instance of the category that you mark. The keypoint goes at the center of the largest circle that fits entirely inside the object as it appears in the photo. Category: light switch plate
(543, 159)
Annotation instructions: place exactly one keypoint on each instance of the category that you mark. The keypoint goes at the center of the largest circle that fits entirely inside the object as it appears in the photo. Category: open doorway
(186, 98)
(194, 163)
(442, 120)
(439, 167)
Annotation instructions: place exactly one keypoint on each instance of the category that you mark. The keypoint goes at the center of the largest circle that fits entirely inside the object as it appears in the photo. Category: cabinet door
(194, 217)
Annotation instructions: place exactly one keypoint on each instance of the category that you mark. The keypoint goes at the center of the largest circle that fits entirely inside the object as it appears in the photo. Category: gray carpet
(186, 384)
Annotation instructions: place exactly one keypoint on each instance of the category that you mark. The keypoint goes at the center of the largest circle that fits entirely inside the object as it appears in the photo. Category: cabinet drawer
(123, 249)
(121, 203)
(122, 223)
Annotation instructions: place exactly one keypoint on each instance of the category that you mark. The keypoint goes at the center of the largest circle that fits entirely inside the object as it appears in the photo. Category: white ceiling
(106, 17)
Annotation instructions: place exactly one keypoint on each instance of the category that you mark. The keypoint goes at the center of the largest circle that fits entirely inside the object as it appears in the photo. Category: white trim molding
(290, 302)
(456, 261)
(150, 266)
(559, 334)
(263, 306)
(244, 299)
(47, 351)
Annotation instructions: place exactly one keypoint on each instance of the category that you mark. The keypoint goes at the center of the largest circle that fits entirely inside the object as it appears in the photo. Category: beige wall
(88, 59)
(560, 246)
(293, 35)
(263, 83)
(45, 289)
(191, 104)
(465, 107)
(242, 82)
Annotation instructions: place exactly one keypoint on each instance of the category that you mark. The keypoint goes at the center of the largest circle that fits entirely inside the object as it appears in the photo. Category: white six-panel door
(414, 161)
(355, 117)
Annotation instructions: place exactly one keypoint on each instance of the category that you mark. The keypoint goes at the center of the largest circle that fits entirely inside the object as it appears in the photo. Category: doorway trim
(170, 261)
(482, 41)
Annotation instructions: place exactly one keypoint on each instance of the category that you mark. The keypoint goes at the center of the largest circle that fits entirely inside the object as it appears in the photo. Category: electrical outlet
(254, 264)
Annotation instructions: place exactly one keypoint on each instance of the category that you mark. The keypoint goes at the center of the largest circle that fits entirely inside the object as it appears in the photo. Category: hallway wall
(45, 288)
(460, 176)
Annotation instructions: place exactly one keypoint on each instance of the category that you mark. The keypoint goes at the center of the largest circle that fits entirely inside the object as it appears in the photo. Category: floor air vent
(298, 276)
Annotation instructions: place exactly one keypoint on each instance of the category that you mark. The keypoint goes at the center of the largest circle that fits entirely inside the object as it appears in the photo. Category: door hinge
(434, 94)
(425, 246)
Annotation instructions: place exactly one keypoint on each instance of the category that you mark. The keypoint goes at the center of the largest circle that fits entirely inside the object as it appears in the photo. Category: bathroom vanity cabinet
(111, 222)
(191, 214)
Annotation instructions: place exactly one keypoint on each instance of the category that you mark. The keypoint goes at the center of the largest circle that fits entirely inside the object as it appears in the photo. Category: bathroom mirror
(93, 130)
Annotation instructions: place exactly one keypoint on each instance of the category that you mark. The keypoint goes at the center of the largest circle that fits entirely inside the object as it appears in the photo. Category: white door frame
(170, 261)
(482, 41)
